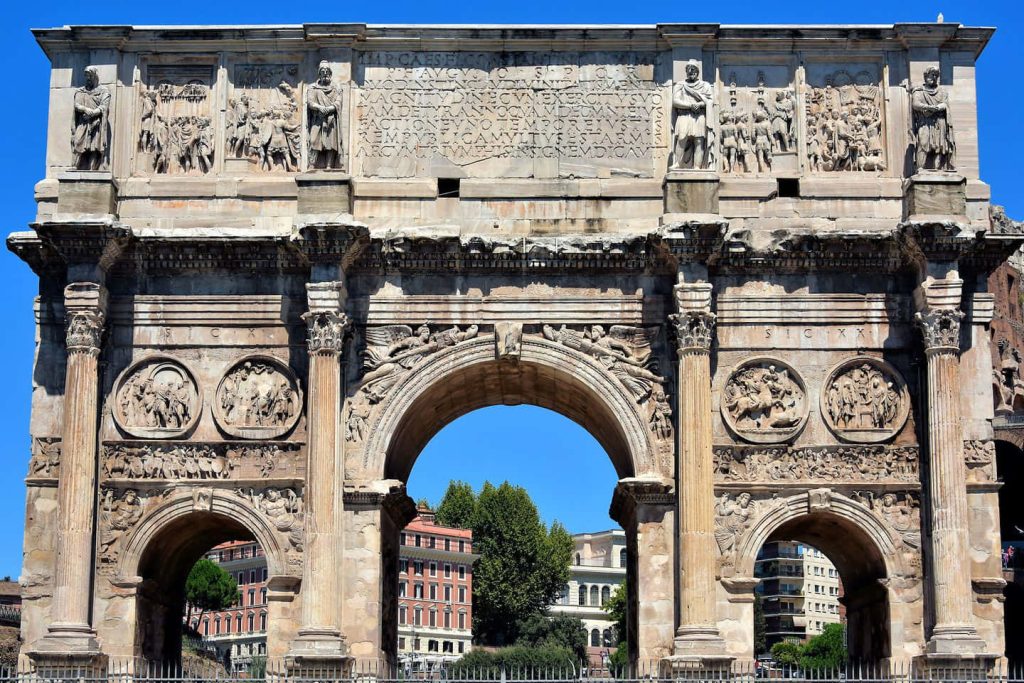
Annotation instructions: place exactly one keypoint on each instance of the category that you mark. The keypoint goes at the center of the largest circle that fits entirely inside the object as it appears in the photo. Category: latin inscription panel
(518, 114)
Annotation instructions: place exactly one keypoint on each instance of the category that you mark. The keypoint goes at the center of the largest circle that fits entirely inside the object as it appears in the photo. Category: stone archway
(879, 579)
(157, 556)
(471, 375)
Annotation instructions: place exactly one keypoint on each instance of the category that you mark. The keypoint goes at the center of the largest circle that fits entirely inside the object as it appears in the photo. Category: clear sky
(576, 478)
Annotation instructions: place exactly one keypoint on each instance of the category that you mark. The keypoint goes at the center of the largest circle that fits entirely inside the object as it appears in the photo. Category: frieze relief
(817, 463)
(392, 350)
(258, 398)
(865, 400)
(190, 461)
(757, 123)
(45, 461)
(284, 508)
(980, 459)
(764, 401)
(263, 129)
(176, 131)
(844, 121)
(156, 397)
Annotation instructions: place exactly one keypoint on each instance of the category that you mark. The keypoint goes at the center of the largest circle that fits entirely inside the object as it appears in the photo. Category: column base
(955, 642)
(67, 645)
(697, 649)
(319, 651)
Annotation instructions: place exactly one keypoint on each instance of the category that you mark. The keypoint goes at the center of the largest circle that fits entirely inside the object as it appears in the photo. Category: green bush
(546, 660)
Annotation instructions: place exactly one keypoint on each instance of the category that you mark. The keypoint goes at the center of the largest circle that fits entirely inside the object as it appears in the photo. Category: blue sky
(529, 446)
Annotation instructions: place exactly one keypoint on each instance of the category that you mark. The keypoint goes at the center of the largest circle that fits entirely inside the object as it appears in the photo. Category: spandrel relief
(258, 398)
(263, 126)
(865, 400)
(391, 350)
(624, 351)
(764, 401)
(757, 122)
(156, 398)
(845, 130)
(176, 129)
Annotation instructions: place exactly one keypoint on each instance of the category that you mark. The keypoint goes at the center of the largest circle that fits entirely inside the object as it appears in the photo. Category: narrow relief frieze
(175, 461)
(882, 464)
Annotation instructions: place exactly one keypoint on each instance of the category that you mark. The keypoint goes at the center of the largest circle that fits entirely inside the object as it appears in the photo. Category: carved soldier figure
(691, 100)
(782, 120)
(933, 133)
(323, 102)
(89, 130)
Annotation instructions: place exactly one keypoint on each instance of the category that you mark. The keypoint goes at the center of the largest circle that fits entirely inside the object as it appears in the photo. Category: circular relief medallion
(157, 398)
(258, 398)
(764, 401)
(865, 400)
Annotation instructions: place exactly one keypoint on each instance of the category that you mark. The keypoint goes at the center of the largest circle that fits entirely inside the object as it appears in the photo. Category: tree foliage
(760, 626)
(825, 650)
(209, 588)
(546, 659)
(560, 631)
(457, 507)
(522, 567)
(616, 608)
(787, 653)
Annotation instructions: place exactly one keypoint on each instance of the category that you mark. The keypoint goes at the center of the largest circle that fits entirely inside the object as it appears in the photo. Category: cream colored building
(799, 591)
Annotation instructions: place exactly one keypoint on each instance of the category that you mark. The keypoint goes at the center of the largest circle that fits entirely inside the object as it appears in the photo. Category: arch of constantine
(275, 261)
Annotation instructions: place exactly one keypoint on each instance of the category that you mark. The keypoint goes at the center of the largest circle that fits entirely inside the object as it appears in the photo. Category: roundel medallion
(764, 401)
(157, 397)
(258, 398)
(864, 400)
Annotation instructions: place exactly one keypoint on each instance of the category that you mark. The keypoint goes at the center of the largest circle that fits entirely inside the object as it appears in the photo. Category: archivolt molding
(187, 501)
(772, 513)
(380, 423)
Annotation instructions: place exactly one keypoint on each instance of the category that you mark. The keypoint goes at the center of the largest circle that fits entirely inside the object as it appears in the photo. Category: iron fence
(280, 671)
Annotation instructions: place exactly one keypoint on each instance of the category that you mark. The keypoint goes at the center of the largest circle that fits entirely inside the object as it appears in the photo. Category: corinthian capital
(326, 331)
(694, 329)
(940, 328)
(84, 330)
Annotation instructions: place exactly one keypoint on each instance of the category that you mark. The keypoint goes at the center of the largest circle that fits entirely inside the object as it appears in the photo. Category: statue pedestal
(935, 193)
(691, 192)
(86, 192)
(324, 193)
(318, 653)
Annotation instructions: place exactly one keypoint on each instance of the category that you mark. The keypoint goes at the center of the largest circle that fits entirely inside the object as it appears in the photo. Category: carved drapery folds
(262, 120)
(940, 329)
(932, 129)
(326, 332)
(757, 124)
(865, 400)
(119, 511)
(764, 401)
(1007, 383)
(157, 397)
(258, 398)
(820, 463)
(901, 511)
(392, 350)
(90, 129)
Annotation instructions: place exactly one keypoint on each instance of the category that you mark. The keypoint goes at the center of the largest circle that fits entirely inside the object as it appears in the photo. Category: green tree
(457, 506)
(825, 650)
(561, 631)
(209, 588)
(787, 653)
(522, 567)
(760, 626)
(546, 661)
(422, 503)
(616, 608)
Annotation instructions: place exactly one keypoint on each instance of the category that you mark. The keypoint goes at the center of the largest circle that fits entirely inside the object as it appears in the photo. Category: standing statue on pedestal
(323, 104)
(694, 137)
(932, 135)
(89, 130)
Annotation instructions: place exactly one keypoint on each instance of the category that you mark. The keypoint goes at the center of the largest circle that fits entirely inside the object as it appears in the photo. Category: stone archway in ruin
(467, 377)
(870, 560)
(158, 556)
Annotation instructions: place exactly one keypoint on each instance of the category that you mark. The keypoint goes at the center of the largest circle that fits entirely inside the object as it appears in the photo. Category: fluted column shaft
(951, 572)
(76, 487)
(697, 633)
(320, 634)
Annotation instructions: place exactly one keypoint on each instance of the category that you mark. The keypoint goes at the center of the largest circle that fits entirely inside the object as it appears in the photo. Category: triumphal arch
(751, 261)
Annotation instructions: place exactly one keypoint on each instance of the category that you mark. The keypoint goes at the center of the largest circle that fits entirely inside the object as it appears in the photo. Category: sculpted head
(692, 71)
(931, 76)
(324, 73)
(92, 77)
(743, 500)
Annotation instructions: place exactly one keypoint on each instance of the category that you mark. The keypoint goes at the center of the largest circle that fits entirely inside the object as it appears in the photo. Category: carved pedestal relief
(156, 398)
(764, 401)
(865, 400)
(757, 121)
(844, 119)
(980, 459)
(263, 127)
(45, 462)
(258, 398)
(176, 129)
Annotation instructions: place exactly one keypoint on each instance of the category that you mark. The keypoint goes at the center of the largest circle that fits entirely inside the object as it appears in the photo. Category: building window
(462, 594)
(241, 578)
(252, 576)
(605, 594)
(462, 546)
(595, 638)
(417, 568)
(462, 647)
(447, 593)
(206, 627)
(462, 621)
(238, 623)
(418, 540)
(263, 621)
(417, 590)
(401, 643)
(583, 596)
(252, 621)
(606, 635)
(563, 597)
(403, 566)
(595, 598)
(401, 540)
(622, 557)
(447, 619)
(401, 614)
(448, 544)
(577, 559)
(433, 617)
(216, 626)
(462, 571)
(446, 646)
(401, 589)
(264, 573)
(263, 596)
(252, 596)
(432, 646)
(417, 616)
(447, 571)
(433, 591)
(433, 568)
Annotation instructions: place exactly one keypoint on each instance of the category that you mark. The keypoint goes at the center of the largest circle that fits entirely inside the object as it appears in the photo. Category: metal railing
(283, 671)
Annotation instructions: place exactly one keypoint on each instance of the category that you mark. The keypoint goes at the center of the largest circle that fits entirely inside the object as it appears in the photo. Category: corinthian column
(697, 637)
(954, 632)
(320, 637)
(70, 630)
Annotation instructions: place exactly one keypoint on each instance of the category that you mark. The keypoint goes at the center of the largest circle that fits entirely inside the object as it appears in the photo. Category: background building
(799, 589)
(435, 593)
(597, 571)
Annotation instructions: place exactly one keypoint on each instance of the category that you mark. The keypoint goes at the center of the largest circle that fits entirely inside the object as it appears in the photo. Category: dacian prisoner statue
(323, 102)
(90, 131)
(934, 144)
(692, 101)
